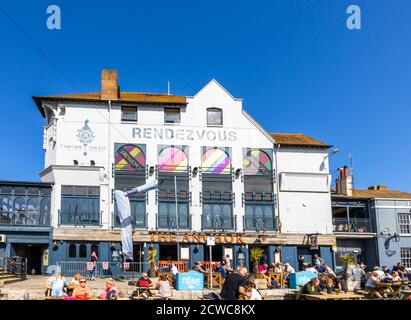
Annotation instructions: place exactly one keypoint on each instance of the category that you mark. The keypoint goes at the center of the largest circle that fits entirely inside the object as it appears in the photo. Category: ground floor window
(406, 257)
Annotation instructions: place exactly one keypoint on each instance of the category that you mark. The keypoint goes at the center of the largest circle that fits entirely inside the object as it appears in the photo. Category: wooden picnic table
(217, 279)
(139, 291)
(333, 296)
(390, 288)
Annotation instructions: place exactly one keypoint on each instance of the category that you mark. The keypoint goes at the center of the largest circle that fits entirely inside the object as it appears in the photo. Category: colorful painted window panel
(129, 157)
(216, 161)
(256, 162)
(172, 159)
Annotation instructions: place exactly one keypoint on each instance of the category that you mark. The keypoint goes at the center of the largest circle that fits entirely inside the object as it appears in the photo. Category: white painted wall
(300, 212)
(305, 211)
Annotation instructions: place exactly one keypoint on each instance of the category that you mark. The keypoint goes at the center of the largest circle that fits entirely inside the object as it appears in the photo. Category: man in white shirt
(172, 268)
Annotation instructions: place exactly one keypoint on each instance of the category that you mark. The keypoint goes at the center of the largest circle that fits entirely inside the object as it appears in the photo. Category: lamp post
(177, 230)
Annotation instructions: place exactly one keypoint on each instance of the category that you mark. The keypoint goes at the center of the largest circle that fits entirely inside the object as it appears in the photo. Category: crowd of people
(59, 287)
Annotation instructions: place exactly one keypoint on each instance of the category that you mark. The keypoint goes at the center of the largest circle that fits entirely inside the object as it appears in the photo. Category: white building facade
(234, 180)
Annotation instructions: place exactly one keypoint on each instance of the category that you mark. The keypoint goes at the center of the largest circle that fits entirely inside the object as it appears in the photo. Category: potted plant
(255, 255)
(152, 253)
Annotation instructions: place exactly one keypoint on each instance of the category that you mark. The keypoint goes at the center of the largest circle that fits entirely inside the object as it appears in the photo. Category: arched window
(214, 117)
(257, 162)
(83, 251)
(216, 161)
(45, 206)
(5, 204)
(33, 205)
(129, 157)
(172, 159)
(72, 251)
(19, 204)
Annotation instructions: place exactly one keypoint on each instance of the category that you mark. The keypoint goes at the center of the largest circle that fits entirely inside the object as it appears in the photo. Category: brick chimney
(343, 182)
(110, 89)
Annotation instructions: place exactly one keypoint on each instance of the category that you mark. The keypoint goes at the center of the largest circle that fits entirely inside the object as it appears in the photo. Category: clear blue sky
(297, 66)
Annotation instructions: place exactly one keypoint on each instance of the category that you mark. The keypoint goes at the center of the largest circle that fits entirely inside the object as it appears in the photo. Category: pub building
(227, 176)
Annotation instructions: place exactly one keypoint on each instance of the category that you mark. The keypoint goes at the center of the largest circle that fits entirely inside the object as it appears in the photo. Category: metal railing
(24, 218)
(218, 222)
(358, 225)
(168, 222)
(14, 265)
(138, 221)
(257, 224)
(79, 218)
(102, 269)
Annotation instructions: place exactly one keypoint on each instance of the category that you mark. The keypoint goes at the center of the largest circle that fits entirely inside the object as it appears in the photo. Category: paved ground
(34, 289)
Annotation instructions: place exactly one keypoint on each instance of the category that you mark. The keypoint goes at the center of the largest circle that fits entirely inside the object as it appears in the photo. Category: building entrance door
(33, 254)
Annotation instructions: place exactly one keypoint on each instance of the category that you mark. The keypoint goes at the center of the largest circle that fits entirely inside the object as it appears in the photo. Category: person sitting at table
(252, 292)
(163, 286)
(319, 267)
(310, 268)
(144, 281)
(278, 267)
(312, 287)
(318, 259)
(76, 280)
(57, 286)
(198, 267)
(172, 268)
(396, 277)
(380, 274)
(371, 286)
(110, 292)
(219, 268)
(402, 271)
(82, 291)
(263, 268)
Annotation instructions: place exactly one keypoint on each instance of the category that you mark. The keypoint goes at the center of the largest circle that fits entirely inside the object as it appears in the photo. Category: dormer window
(171, 115)
(214, 117)
(129, 114)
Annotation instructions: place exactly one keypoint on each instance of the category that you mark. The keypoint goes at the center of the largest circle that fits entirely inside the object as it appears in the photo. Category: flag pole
(178, 243)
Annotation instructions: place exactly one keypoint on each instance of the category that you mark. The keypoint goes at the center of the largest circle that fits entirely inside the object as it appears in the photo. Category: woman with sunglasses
(82, 291)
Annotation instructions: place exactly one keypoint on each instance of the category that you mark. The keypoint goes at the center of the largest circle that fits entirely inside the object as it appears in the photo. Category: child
(252, 291)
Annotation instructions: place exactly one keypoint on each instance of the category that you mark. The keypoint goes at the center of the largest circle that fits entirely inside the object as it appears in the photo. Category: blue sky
(294, 62)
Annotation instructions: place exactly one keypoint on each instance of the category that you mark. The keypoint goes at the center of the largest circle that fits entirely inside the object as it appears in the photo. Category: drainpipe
(109, 164)
(277, 182)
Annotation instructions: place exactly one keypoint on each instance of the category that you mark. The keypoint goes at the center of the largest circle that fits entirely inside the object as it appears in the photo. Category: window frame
(215, 124)
(128, 120)
(401, 224)
(405, 257)
(165, 115)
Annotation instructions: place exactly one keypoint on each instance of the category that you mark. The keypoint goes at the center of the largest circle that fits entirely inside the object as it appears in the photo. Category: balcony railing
(218, 222)
(138, 221)
(24, 218)
(258, 224)
(79, 218)
(357, 225)
(167, 222)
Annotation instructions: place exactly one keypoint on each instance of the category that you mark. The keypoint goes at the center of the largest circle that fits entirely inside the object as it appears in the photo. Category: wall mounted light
(238, 172)
(195, 171)
(151, 170)
(75, 162)
(92, 162)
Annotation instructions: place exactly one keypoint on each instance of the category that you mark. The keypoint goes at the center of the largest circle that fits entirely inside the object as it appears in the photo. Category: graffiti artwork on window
(172, 158)
(129, 157)
(216, 160)
(256, 161)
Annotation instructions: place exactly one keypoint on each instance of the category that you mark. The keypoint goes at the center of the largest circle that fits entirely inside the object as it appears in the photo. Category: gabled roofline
(216, 82)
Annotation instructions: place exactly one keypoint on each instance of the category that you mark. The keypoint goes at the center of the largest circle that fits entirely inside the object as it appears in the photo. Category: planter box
(261, 284)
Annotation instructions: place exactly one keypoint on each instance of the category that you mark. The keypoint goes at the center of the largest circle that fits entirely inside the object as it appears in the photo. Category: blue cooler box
(191, 280)
(301, 278)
